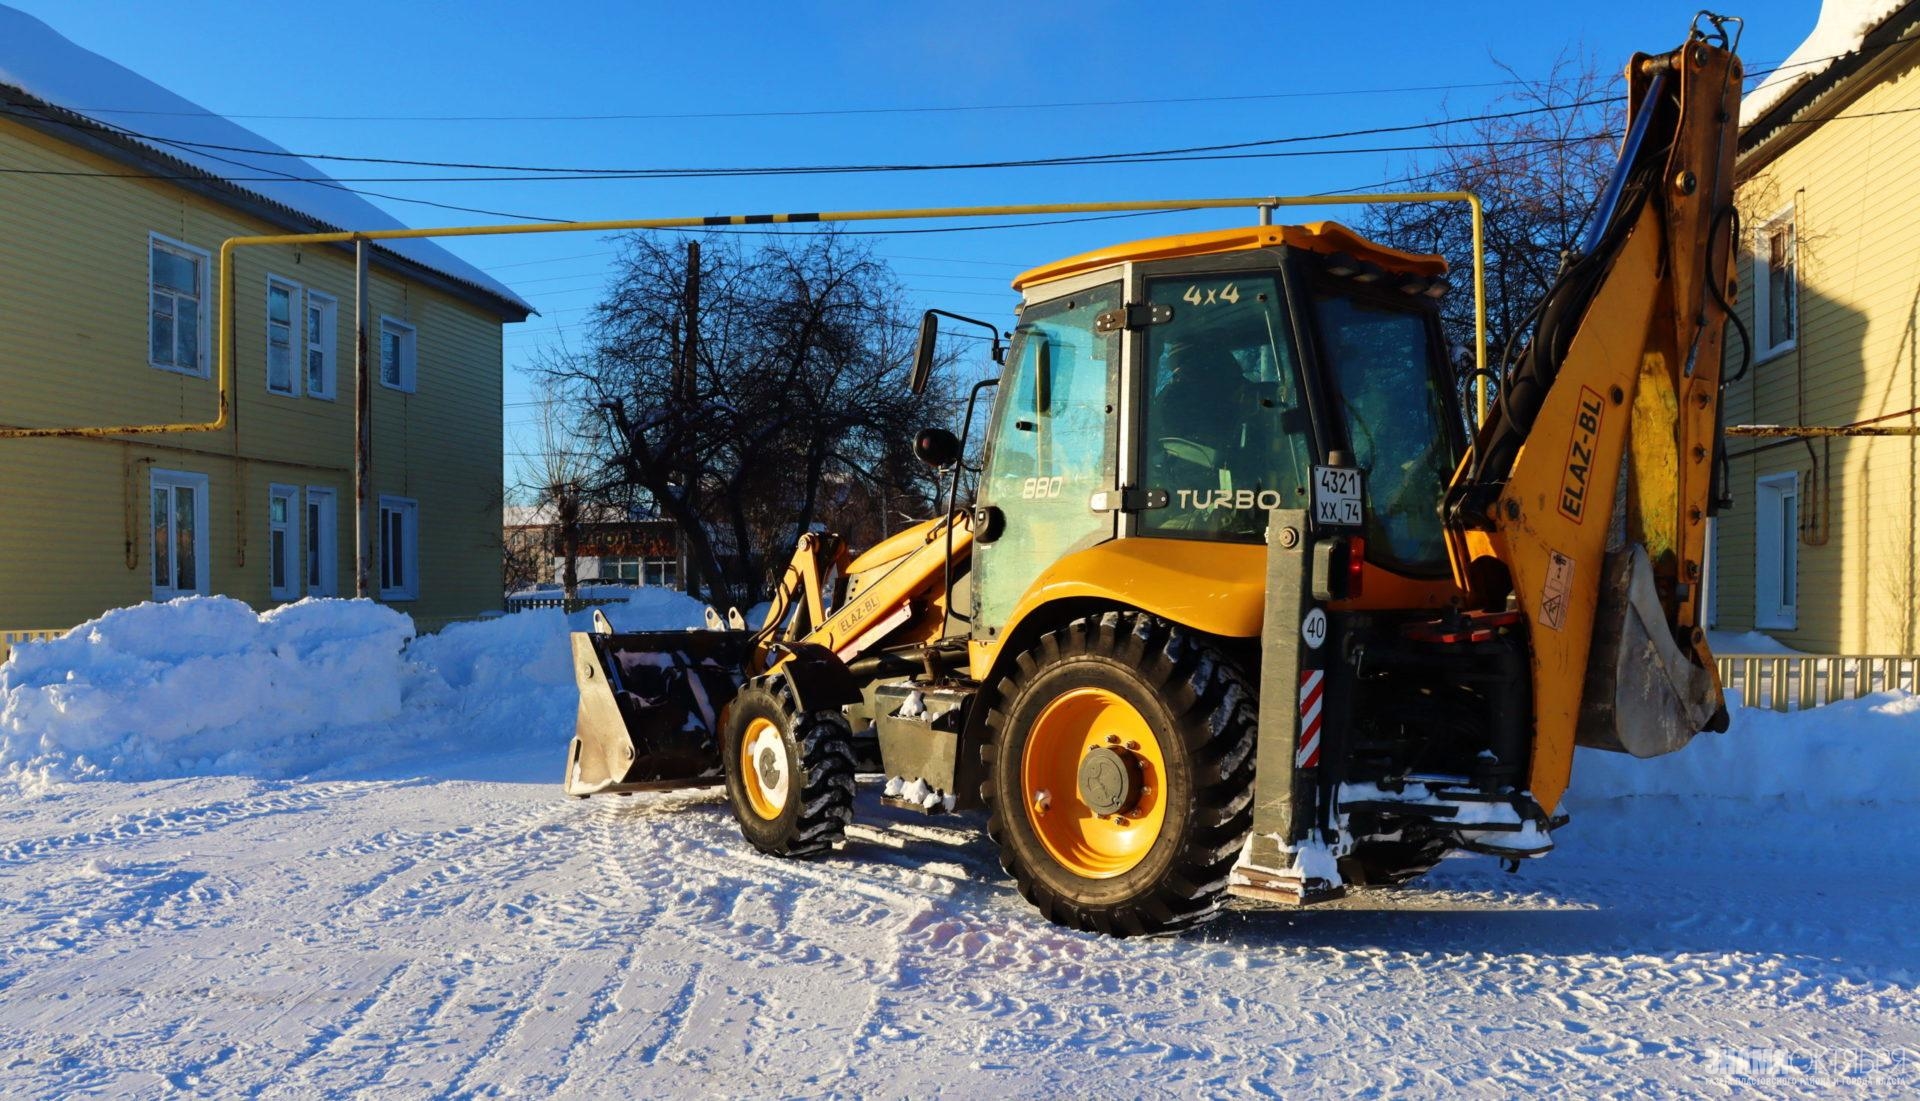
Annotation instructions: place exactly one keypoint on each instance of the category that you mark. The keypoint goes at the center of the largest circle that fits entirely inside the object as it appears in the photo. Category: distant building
(1819, 548)
(611, 550)
(110, 225)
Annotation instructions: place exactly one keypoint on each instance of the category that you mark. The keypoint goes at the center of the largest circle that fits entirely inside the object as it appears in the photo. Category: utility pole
(689, 348)
(362, 427)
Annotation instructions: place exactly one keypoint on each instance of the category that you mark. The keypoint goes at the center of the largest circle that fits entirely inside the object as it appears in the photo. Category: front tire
(1120, 774)
(789, 773)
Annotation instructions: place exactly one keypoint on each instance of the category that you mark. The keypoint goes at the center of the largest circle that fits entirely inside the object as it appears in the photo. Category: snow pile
(199, 684)
(205, 686)
(1851, 753)
(1724, 643)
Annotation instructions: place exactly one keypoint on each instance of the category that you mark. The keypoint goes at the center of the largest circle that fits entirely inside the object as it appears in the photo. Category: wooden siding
(73, 351)
(1854, 185)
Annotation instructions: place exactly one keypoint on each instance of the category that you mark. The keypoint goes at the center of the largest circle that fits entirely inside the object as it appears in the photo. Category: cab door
(1051, 447)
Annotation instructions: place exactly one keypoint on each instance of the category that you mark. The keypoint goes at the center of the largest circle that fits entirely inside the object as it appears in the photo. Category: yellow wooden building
(1819, 547)
(108, 310)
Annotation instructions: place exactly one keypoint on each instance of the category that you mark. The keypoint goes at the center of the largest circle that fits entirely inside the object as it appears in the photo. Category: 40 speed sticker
(1314, 628)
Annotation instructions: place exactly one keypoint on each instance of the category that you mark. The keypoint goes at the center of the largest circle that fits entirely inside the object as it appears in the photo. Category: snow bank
(199, 684)
(204, 685)
(1747, 642)
(1852, 752)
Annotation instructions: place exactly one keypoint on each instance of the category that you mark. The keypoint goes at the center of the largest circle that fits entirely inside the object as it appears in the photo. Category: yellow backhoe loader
(1241, 607)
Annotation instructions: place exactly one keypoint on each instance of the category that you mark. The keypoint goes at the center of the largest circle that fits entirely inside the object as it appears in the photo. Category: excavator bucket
(1644, 694)
(650, 708)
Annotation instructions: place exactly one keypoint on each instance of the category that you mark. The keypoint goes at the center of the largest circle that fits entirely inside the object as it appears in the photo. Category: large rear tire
(789, 772)
(1120, 774)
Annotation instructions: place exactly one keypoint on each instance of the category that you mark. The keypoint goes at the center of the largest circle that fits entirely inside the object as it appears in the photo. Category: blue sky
(1247, 72)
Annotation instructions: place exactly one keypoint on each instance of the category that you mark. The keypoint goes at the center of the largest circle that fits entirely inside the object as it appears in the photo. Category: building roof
(1850, 37)
(75, 94)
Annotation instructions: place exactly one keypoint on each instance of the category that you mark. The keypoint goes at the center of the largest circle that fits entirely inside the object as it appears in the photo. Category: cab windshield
(1390, 397)
(1225, 424)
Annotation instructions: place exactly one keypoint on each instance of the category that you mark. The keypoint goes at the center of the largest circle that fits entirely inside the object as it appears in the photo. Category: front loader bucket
(650, 708)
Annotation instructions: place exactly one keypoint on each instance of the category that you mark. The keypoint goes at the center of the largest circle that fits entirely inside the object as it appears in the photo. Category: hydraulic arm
(1587, 492)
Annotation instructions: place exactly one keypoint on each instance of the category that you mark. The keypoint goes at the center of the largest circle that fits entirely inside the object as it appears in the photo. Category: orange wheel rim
(763, 768)
(1065, 733)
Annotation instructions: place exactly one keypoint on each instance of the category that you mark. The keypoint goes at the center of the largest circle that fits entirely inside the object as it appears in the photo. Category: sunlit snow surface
(382, 891)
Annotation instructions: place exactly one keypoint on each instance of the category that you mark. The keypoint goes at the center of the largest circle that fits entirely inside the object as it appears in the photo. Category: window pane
(1047, 462)
(1396, 415)
(314, 314)
(186, 566)
(390, 358)
(280, 305)
(188, 338)
(280, 358)
(1780, 287)
(313, 544)
(277, 560)
(162, 545)
(176, 272)
(277, 509)
(1789, 542)
(1226, 423)
(399, 549)
(316, 371)
(162, 335)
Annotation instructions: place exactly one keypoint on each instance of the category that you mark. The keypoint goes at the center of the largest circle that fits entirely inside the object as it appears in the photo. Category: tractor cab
(1182, 388)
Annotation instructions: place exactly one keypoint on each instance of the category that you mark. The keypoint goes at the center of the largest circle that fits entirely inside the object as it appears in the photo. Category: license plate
(1337, 496)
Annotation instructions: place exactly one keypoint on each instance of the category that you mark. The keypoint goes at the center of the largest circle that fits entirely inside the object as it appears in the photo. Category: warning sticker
(1554, 595)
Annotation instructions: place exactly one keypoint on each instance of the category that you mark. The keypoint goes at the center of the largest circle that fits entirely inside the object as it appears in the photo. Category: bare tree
(790, 407)
(1538, 174)
(560, 481)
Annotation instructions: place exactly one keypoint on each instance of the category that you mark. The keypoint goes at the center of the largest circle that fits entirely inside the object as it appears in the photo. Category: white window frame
(1763, 291)
(407, 586)
(321, 565)
(296, 329)
(205, 261)
(289, 550)
(171, 480)
(1776, 557)
(409, 354)
(328, 347)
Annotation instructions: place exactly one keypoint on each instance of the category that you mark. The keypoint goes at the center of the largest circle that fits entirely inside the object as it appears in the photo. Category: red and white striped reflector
(1311, 683)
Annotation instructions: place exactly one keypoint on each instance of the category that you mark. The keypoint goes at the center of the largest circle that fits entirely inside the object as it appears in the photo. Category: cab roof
(1323, 237)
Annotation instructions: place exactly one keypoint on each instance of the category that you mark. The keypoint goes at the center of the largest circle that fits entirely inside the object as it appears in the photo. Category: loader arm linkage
(1587, 491)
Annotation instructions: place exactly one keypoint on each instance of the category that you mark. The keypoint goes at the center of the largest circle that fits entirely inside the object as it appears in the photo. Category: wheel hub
(763, 771)
(769, 765)
(1109, 780)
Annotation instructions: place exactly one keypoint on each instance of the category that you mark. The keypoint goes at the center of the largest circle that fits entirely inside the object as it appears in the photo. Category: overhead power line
(830, 112)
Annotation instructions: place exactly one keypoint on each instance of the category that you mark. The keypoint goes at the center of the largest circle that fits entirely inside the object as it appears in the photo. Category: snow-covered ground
(303, 894)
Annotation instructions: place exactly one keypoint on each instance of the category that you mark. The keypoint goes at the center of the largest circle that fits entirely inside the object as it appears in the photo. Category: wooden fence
(1793, 682)
(9, 637)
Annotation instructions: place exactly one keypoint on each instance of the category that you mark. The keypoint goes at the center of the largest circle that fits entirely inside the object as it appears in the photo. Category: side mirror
(923, 353)
(936, 447)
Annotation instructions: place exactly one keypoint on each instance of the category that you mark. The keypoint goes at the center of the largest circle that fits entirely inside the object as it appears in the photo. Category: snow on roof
(40, 62)
(1842, 27)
